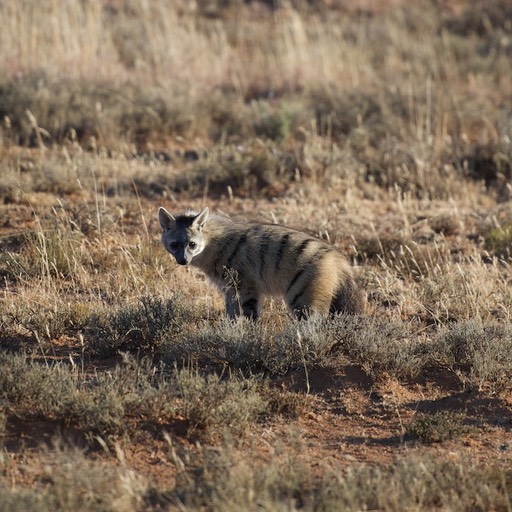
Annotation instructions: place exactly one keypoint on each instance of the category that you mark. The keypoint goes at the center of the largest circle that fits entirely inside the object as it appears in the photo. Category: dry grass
(223, 479)
(386, 130)
(71, 481)
(229, 482)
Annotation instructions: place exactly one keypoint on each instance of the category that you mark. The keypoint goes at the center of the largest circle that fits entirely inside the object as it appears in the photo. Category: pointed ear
(201, 219)
(165, 218)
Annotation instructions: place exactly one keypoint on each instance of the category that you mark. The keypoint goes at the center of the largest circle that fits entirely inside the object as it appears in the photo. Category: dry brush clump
(253, 168)
(380, 347)
(107, 404)
(477, 353)
(437, 427)
(217, 406)
(254, 347)
(133, 328)
(59, 392)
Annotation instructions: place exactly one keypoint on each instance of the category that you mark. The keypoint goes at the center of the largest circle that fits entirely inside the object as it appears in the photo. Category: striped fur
(248, 261)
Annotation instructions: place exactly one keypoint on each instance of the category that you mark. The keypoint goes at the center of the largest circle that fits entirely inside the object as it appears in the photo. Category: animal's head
(183, 235)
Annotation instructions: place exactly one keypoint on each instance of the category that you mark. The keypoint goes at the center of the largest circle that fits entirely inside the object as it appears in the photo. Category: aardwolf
(249, 260)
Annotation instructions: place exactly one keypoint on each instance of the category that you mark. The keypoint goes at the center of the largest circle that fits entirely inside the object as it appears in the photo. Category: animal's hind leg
(301, 312)
(313, 299)
(251, 308)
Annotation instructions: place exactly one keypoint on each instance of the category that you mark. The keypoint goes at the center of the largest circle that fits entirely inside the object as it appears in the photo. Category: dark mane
(185, 220)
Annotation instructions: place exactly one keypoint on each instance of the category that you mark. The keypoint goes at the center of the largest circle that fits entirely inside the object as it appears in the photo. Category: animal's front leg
(232, 299)
(244, 302)
(250, 303)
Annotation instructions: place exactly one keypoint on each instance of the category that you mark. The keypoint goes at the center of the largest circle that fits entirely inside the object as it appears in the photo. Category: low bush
(478, 353)
(132, 328)
(437, 427)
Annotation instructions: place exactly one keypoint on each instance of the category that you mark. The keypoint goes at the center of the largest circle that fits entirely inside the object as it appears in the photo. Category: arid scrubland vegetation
(384, 127)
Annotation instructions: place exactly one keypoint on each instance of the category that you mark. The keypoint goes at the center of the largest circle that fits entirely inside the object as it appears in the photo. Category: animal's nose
(181, 261)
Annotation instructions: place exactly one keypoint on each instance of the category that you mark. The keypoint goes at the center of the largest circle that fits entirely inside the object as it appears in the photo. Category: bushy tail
(349, 299)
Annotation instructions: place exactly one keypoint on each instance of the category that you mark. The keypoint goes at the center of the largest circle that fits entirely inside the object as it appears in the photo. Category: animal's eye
(192, 245)
(174, 245)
